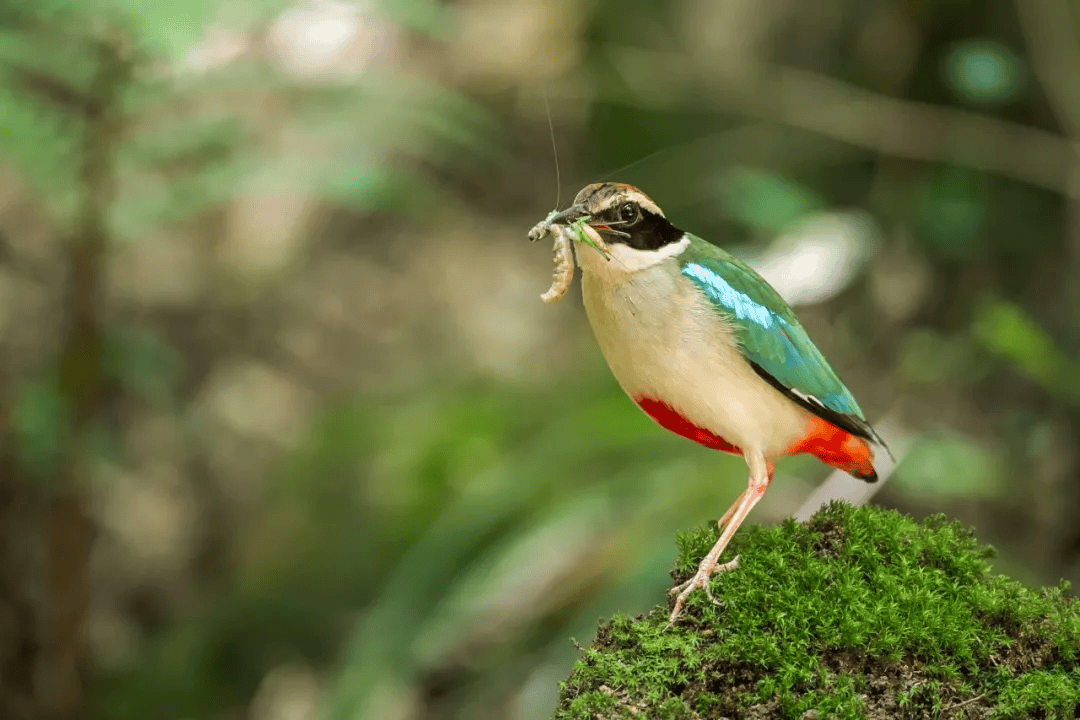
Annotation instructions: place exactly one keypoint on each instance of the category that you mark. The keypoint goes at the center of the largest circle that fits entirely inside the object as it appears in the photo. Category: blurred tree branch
(63, 670)
(817, 103)
(58, 92)
(1049, 27)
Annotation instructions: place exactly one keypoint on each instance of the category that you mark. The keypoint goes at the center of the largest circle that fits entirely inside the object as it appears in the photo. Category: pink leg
(730, 511)
(761, 472)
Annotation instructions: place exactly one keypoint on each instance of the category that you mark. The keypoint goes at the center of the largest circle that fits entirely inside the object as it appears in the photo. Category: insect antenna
(554, 150)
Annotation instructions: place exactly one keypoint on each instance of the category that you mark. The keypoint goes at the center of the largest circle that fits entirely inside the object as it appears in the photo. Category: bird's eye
(629, 213)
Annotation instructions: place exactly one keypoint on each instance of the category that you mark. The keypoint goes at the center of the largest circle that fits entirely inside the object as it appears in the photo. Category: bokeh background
(285, 430)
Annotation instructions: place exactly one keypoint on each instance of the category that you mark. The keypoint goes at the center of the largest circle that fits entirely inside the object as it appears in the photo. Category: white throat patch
(633, 259)
(626, 260)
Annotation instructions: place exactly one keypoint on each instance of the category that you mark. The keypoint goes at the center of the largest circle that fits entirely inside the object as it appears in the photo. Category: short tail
(838, 448)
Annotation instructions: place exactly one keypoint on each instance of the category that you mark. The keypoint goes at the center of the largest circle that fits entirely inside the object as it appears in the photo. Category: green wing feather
(771, 337)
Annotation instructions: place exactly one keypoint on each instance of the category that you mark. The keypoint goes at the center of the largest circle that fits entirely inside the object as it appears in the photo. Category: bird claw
(700, 580)
(708, 594)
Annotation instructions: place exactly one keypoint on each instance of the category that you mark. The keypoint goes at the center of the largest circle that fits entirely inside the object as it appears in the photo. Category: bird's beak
(566, 218)
(575, 213)
(569, 215)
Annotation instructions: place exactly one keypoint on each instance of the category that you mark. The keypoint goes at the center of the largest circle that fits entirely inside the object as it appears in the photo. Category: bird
(709, 350)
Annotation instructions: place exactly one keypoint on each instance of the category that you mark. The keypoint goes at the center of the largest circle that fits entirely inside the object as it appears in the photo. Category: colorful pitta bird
(708, 349)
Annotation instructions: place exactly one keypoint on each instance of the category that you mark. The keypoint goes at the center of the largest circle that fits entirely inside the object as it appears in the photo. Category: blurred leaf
(421, 16)
(766, 201)
(930, 357)
(143, 363)
(951, 208)
(173, 28)
(383, 112)
(950, 467)
(57, 52)
(582, 459)
(41, 421)
(169, 27)
(150, 202)
(187, 144)
(43, 147)
(23, 14)
(357, 184)
(177, 171)
(1006, 329)
(345, 145)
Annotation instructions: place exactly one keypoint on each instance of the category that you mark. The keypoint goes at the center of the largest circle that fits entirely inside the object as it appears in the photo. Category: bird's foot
(706, 570)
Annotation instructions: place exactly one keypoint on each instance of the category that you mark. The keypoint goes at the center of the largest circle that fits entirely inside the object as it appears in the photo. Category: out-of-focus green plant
(1007, 330)
(174, 152)
(426, 514)
(950, 467)
(767, 202)
(428, 549)
(118, 139)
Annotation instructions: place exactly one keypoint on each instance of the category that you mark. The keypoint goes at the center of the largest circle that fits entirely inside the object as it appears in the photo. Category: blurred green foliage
(339, 530)
(40, 419)
(390, 466)
(766, 202)
(1008, 331)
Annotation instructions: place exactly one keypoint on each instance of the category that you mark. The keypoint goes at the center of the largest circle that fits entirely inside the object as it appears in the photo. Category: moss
(857, 613)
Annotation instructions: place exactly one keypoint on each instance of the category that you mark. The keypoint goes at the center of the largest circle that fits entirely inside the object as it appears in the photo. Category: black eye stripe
(615, 213)
(647, 230)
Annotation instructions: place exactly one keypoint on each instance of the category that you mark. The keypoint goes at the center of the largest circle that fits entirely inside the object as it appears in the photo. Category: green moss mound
(857, 613)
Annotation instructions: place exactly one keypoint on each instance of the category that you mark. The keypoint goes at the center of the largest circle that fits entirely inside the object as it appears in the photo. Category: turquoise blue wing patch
(767, 329)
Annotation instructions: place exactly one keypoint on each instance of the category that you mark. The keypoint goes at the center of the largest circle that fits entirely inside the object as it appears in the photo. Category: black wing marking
(854, 425)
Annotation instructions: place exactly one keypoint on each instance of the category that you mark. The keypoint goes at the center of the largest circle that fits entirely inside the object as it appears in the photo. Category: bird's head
(627, 222)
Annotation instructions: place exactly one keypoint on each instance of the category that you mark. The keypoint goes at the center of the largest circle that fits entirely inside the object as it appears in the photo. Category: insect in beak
(569, 215)
(573, 219)
(565, 217)
(575, 213)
